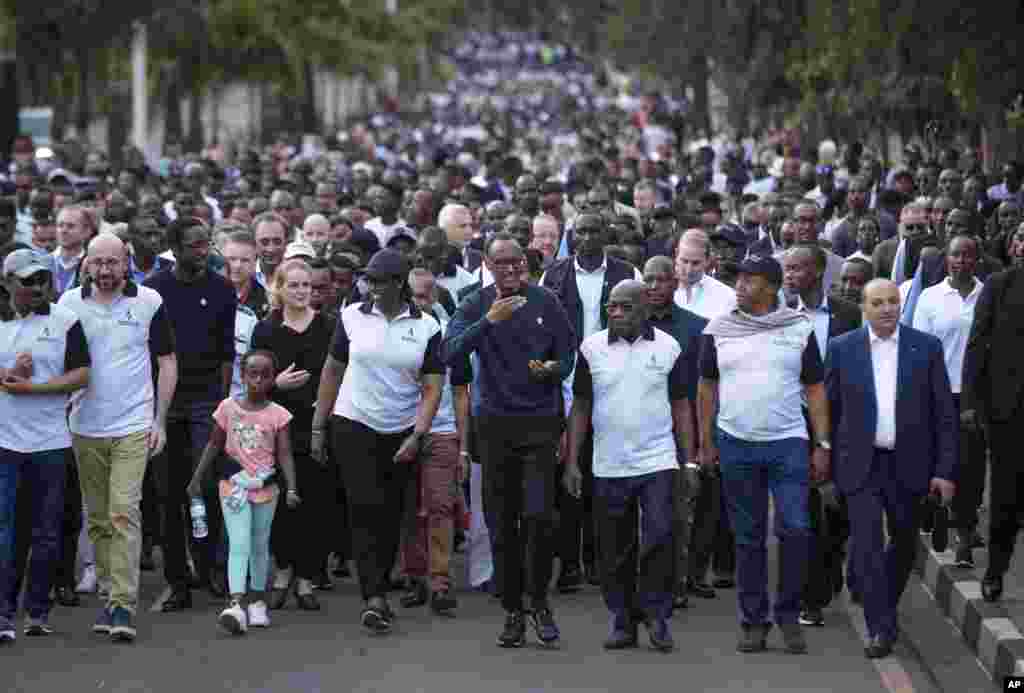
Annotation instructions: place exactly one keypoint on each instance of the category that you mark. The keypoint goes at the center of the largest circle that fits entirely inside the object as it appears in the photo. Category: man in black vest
(582, 283)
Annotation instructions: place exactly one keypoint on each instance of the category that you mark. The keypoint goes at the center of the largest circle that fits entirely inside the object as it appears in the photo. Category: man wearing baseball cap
(757, 362)
(43, 358)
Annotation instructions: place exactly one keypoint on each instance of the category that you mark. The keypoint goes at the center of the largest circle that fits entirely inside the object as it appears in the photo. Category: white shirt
(943, 312)
(885, 357)
(708, 298)
(632, 410)
(218, 216)
(820, 317)
(456, 283)
(245, 323)
(119, 398)
(383, 232)
(589, 286)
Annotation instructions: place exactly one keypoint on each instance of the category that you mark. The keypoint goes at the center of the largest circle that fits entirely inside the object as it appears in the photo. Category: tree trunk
(173, 130)
(83, 112)
(194, 140)
(310, 120)
(701, 101)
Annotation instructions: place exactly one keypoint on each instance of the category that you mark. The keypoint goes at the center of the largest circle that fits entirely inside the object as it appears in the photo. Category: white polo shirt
(943, 312)
(245, 323)
(761, 378)
(708, 298)
(632, 386)
(386, 359)
(123, 337)
(56, 340)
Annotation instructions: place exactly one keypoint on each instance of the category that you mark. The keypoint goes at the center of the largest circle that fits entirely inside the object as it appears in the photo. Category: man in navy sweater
(525, 345)
(201, 306)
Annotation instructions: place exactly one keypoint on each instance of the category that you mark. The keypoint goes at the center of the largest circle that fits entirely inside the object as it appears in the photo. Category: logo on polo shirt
(653, 363)
(410, 337)
(128, 319)
(46, 335)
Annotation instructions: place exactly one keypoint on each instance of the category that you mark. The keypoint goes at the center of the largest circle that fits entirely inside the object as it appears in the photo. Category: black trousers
(577, 529)
(970, 487)
(71, 527)
(830, 529)
(518, 454)
(1006, 498)
(188, 431)
(376, 494)
(297, 539)
(707, 513)
(150, 505)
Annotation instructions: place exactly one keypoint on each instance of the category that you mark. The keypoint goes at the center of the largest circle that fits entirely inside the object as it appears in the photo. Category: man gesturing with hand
(525, 346)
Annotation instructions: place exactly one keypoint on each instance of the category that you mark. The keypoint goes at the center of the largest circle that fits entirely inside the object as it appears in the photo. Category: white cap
(299, 249)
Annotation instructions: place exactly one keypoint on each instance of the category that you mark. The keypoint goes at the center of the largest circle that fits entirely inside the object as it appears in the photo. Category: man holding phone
(525, 346)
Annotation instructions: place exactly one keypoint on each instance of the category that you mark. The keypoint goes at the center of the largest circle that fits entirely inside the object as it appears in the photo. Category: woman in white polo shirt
(383, 381)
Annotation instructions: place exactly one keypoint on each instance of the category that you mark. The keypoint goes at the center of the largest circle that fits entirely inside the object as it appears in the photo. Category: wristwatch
(825, 445)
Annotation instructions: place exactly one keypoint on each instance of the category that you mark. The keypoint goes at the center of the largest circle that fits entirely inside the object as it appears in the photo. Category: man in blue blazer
(895, 431)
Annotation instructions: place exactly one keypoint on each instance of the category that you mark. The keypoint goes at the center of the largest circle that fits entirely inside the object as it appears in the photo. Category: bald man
(120, 422)
(632, 384)
(888, 456)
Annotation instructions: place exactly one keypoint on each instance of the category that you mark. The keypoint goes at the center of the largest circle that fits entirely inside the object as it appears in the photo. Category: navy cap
(662, 212)
(731, 234)
(387, 263)
(764, 266)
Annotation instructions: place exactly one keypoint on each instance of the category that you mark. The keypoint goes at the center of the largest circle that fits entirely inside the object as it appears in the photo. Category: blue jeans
(248, 544)
(749, 471)
(42, 477)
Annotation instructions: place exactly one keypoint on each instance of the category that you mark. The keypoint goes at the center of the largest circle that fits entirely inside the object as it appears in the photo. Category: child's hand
(292, 498)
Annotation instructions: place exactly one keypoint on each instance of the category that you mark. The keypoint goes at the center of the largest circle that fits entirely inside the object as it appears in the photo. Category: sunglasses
(35, 279)
(915, 227)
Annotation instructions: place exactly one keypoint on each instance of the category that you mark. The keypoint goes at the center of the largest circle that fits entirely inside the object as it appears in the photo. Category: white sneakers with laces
(233, 619)
(258, 615)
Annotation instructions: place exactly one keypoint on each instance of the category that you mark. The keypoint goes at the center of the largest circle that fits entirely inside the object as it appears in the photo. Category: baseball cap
(299, 249)
(23, 263)
(387, 263)
(764, 266)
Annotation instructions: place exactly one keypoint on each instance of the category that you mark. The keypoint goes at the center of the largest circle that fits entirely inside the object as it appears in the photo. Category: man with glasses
(44, 357)
(202, 308)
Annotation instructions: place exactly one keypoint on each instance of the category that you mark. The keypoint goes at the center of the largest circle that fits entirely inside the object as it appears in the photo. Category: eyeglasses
(915, 227)
(35, 279)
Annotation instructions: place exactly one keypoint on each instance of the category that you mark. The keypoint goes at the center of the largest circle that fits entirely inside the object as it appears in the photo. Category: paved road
(327, 651)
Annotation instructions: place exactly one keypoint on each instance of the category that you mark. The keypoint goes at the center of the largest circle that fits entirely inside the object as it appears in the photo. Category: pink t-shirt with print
(252, 442)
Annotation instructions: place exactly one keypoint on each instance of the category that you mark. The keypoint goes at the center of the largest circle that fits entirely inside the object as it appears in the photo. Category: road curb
(986, 628)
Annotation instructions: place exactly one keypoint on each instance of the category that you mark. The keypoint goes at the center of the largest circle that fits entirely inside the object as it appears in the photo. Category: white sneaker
(233, 619)
(88, 581)
(258, 615)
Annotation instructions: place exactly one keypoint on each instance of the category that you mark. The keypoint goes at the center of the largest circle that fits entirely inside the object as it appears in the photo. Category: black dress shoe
(879, 647)
(308, 602)
(992, 588)
(218, 584)
(681, 600)
(443, 603)
(701, 589)
(621, 638)
(66, 596)
(342, 570)
(179, 600)
(570, 579)
(592, 575)
(417, 595)
(723, 583)
(279, 597)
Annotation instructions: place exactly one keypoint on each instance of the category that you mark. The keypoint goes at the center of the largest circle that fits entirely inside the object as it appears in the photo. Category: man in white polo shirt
(632, 385)
(114, 426)
(43, 358)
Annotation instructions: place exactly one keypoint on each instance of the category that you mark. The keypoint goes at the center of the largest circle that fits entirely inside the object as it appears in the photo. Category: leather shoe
(417, 595)
(992, 588)
(701, 589)
(279, 597)
(179, 600)
(880, 646)
(308, 602)
(66, 596)
(570, 580)
(681, 600)
(660, 635)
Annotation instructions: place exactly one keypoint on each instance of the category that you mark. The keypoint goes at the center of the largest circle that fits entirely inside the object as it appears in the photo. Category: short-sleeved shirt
(251, 443)
(123, 337)
(386, 361)
(761, 378)
(461, 374)
(56, 340)
(631, 386)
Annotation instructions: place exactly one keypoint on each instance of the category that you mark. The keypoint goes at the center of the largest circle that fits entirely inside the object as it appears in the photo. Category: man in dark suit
(803, 275)
(991, 395)
(895, 430)
(582, 284)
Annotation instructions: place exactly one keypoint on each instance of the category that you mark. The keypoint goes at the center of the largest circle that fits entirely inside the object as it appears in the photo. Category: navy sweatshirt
(539, 330)
(203, 317)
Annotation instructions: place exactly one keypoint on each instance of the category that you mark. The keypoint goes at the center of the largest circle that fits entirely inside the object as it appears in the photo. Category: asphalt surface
(327, 651)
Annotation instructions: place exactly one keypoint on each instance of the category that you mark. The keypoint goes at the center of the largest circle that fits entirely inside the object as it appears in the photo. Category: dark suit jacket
(844, 239)
(884, 256)
(926, 422)
(993, 377)
(845, 317)
(560, 278)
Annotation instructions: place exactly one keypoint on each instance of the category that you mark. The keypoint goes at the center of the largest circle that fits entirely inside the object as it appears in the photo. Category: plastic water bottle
(198, 511)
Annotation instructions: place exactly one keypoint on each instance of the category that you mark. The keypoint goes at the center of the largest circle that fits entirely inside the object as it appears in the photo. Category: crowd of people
(281, 366)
